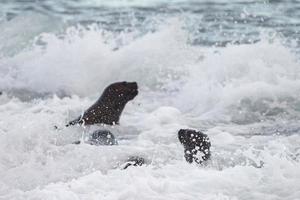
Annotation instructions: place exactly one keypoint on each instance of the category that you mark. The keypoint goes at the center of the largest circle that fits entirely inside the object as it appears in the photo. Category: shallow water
(230, 70)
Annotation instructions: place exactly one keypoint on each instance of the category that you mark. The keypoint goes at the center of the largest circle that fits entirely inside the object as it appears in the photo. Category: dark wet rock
(101, 138)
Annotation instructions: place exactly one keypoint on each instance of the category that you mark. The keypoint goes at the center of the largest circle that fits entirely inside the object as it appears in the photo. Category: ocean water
(228, 68)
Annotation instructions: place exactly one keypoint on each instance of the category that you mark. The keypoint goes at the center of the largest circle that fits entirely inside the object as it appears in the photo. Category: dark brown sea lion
(108, 108)
(196, 145)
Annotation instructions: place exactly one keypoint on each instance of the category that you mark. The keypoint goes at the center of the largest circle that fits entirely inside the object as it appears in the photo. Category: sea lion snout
(133, 88)
(126, 90)
(132, 85)
(196, 145)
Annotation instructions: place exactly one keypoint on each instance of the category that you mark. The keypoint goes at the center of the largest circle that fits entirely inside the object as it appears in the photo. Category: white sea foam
(263, 77)
(181, 86)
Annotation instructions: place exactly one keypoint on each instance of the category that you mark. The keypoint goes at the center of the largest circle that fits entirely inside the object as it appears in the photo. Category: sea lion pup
(196, 145)
(108, 108)
(101, 138)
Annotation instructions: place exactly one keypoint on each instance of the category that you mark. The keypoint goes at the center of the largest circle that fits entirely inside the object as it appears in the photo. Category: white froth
(234, 94)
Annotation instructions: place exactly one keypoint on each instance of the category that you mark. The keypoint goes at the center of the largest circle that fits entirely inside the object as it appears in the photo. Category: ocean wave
(250, 82)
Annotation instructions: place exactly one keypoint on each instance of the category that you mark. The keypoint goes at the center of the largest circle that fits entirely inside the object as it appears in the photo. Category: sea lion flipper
(75, 121)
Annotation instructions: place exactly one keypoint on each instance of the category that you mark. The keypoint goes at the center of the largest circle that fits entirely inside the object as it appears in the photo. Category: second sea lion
(196, 145)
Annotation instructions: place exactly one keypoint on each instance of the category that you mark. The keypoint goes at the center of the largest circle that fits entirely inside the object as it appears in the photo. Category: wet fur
(108, 108)
(194, 143)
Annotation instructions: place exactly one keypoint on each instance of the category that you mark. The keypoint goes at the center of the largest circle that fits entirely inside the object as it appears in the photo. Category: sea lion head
(196, 145)
(122, 91)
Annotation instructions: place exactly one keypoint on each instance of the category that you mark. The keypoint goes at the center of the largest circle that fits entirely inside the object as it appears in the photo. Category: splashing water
(244, 95)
